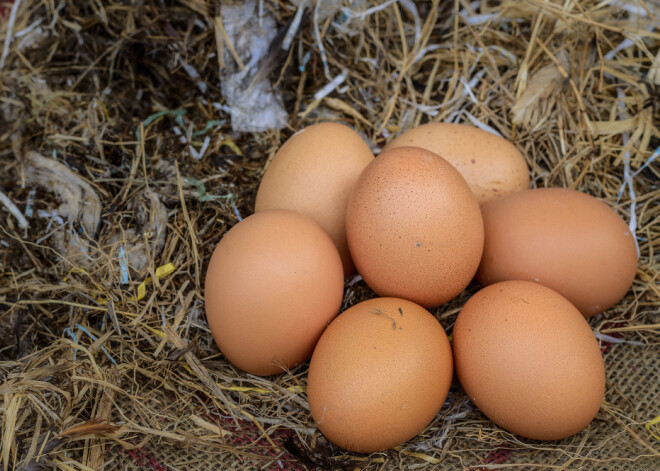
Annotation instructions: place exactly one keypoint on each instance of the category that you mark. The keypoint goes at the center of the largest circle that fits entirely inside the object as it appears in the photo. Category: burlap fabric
(633, 393)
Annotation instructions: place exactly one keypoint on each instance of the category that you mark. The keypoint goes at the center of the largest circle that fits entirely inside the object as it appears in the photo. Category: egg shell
(379, 374)
(414, 228)
(529, 361)
(313, 173)
(274, 282)
(563, 239)
(491, 165)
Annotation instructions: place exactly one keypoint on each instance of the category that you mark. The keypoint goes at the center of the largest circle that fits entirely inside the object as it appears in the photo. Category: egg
(313, 173)
(379, 374)
(528, 360)
(563, 239)
(491, 165)
(414, 228)
(273, 283)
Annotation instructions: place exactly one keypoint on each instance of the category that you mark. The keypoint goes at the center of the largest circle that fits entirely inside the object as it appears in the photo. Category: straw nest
(108, 215)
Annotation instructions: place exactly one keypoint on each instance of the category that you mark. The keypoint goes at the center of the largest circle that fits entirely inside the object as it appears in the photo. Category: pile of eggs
(441, 205)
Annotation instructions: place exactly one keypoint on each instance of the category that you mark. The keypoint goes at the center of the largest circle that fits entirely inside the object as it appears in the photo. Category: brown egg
(563, 239)
(313, 173)
(414, 228)
(528, 359)
(274, 282)
(490, 164)
(379, 374)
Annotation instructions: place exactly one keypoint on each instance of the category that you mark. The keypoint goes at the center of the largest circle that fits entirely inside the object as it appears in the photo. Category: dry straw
(101, 194)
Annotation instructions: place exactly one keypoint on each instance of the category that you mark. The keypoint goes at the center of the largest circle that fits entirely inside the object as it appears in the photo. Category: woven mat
(608, 443)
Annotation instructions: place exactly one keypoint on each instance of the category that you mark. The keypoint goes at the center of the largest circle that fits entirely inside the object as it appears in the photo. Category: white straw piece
(330, 87)
(11, 207)
(610, 339)
(361, 15)
(480, 125)
(627, 175)
(626, 43)
(293, 28)
(10, 27)
(319, 40)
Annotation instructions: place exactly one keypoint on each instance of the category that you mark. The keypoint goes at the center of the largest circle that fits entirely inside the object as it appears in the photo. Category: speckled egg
(563, 239)
(528, 359)
(379, 374)
(414, 227)
(274, 282)
(491, 165)
(313, 173)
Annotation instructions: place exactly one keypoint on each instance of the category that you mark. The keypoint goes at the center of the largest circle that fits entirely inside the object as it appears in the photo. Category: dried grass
(99, 373)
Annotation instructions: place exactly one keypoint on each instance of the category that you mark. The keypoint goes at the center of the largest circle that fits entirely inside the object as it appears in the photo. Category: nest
(122, 164)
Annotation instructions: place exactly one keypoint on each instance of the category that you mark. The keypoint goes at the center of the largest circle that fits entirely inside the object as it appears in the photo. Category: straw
(120, 173)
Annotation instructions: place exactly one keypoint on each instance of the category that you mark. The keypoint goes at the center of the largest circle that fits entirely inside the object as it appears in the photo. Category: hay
(106, 360)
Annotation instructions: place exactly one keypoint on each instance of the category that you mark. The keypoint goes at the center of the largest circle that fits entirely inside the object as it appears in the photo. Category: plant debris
(123, 163)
